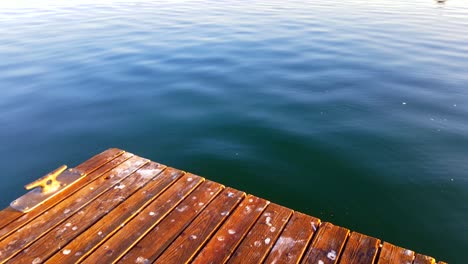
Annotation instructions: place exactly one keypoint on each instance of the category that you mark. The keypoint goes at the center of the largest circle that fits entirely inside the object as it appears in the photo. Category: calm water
(352, 111)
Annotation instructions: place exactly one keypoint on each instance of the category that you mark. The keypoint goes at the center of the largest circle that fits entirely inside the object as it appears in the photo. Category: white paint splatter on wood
(183, 208)
(66, 251)
(141, 260)
(331, 255)
(119, 186)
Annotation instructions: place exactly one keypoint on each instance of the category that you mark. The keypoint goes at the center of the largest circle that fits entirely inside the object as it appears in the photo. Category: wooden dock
(127, 209)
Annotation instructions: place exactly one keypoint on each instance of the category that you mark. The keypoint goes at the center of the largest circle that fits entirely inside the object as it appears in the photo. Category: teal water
(352, 111)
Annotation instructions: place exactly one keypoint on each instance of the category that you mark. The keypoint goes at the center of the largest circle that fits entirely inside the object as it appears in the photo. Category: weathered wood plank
(293, 241)
(422, 259)
(327, 244)
(95, 235)
(99, 160)
(360, 249)
(184, 248)
(162, 235)
(258, 242)
(47, 245)
(9, 214)
(391, 254)
(25, 218)
(225, 241)
(27, 234)
(117, 245)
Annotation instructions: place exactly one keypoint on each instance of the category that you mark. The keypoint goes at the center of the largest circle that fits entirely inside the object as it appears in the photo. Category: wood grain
(162, 235)
(27, 217)
(184, 248)
(27, 234)
(391, 254)
(258, 242)
(360, 249)
(293, 241)
(96, 234)
(79, 222)
(327, 244)
(422, 259)
(122, 241)
(225, 241)
(9, 214)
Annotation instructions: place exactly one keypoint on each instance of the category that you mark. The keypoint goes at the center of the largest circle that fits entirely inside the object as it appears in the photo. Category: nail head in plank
(185, 247)
(162, 235)
(111, 222)
(391, 254)
(224, 242)
(258, 242)
(327, 244)
(122, 241)
(294, 239)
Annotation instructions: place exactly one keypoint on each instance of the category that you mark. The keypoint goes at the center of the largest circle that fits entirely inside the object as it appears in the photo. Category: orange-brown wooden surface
(133, 231)
(111, 223)
(327, 244)
(128, 209)
(258, 242)
(360, 249)
(224, 242)
(391, 254)
(27, 234)
(8, 215)
(27, 217)
(184, 248)
(79, 222)
(293, 241)
(162, 235)
(422, 259)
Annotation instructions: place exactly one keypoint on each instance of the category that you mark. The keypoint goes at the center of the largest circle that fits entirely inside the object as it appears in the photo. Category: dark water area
(352, 111)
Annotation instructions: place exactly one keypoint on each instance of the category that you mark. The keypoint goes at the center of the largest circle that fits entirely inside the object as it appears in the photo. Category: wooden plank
(360, 249)
(92, 213)
(162, 235)
(258, 242)
(293, 241)
(117, 245)
(9, 214)
(111, 223)
(225, 241)
(99, 160)
(27, 217)
(184, 248)
(77, 223)
(327, 244)
(422, 259)
(24, 236)
(391, 254)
